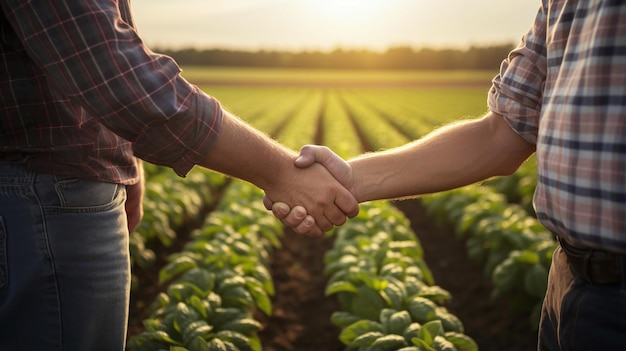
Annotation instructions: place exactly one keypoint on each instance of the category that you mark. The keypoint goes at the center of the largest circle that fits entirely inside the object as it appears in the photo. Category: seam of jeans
(52, 265)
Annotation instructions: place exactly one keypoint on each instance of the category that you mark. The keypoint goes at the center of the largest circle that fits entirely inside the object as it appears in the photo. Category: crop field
(460, 270)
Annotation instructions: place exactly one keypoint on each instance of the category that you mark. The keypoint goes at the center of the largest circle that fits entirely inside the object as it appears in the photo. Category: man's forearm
(245, 153)
(456, 155)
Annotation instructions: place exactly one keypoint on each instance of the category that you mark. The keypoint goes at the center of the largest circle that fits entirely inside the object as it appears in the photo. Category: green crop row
(420, 110)
(515, 249)
(299, 127)
(386, 291)
(169, 203)
(339, 132)
(217, 281)
(379, 133)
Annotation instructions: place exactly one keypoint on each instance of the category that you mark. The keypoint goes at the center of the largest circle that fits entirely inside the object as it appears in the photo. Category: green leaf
(223, 315)
(506, 275)
(366, 339)
(389, 342)
(183, 291)
(462, 342)
(239, 340)
(263, 276)
(340, 286)
(441, 344)
(260, 297)
(361, 327)
(179, 265)
(237, 296)
(435, 293)
(526, 256)
(422, 309)
(196, 329)
(343, 319)
(411, 331)
(184, 316)
(201, 278)
(536, 281)
(385, 315)
(422, 344)
(430, 330)
(198, 344)
(245, 326)
(199, 305)
(398, 322)
(217, 345)
(449, 321)
(394, 293)
(367, 303)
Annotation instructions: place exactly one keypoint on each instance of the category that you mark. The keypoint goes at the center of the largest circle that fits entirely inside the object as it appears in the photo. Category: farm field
(478, 252)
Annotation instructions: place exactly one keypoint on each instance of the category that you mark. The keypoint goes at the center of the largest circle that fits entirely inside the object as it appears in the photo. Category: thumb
(339, 168)
(309, 154)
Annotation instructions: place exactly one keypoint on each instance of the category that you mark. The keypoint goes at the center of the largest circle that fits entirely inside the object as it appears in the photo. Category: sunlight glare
(347, 11)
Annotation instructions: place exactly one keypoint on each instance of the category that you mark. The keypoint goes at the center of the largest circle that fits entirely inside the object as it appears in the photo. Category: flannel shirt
(82, 96)
(564, 89)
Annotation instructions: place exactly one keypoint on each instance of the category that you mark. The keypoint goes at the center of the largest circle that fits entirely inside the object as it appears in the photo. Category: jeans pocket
(85, 195)
(3, 255)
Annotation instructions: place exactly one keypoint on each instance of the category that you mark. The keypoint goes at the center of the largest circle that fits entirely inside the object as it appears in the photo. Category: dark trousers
(578, 315)
(64, 263)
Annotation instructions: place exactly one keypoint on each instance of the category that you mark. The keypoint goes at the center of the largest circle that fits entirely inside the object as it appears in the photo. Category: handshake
(455, 155)
(344, 203)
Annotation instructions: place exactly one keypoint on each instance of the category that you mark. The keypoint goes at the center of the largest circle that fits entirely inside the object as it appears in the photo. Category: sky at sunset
(328, 24)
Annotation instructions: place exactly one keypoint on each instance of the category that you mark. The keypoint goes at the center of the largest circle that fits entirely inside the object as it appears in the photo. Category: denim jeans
(578, 315)
(64, 263)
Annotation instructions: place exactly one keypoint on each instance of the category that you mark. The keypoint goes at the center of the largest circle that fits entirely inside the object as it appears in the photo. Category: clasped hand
(298, 217)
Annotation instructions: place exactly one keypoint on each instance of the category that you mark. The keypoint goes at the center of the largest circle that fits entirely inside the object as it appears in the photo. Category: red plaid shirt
(564, 89)
(81, 95)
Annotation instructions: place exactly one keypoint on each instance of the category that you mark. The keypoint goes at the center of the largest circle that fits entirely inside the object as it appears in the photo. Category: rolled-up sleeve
(516, 92)
(94, 59)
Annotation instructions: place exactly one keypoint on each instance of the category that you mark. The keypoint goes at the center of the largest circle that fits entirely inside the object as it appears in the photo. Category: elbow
(513, 161)
(507, 170)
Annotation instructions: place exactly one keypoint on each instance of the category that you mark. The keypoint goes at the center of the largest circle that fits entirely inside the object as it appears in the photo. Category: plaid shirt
(81, 94)
(564, 89)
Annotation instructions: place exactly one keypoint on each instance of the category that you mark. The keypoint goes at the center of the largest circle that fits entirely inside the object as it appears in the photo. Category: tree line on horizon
(400, 57)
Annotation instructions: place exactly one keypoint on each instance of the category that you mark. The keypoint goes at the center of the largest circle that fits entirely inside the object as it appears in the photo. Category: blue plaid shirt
(564, 89)
(81, 95)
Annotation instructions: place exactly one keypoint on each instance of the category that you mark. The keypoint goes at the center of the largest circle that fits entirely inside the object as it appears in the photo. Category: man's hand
(134, 201)
(297, 217)
(315, 189)
(338, 167)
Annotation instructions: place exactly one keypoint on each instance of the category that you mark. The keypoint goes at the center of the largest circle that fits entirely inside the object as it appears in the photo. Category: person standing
(82, 99)
(561, 94)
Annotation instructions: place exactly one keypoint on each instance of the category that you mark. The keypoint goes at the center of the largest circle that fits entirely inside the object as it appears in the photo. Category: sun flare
(347, 11)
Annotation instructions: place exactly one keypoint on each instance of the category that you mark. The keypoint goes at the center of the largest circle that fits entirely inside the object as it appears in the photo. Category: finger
(267, 202)
(295, 217)
(347, 204)
(281, 210)
(335, 216)
(323, 223)
(308, 227)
